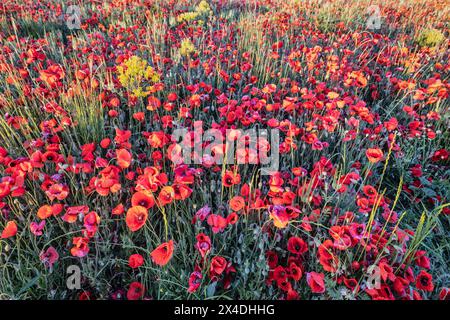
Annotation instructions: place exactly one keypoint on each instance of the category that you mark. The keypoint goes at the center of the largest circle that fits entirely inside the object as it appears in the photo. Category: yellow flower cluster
(135, 72)
(187, 47)
(430, 38)
(187, 16)
(202, 9)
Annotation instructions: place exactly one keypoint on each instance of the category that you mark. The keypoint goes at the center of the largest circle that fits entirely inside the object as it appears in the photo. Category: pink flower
(36, 228)
(49, 257)
(315, 282)
(195, 279)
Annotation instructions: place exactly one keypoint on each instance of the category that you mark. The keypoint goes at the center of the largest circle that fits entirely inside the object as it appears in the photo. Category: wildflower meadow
(219, 149)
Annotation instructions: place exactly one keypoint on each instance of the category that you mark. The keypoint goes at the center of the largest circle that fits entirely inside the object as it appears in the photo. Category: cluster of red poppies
(88, 168)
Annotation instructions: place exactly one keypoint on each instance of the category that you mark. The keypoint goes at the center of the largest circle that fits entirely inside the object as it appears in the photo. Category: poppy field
(217, 149)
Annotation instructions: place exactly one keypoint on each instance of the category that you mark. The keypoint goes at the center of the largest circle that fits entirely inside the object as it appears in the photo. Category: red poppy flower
(50, 156)
(280, 274)
(279, 216)
(374, 155)
(85, 296)
(135, 261)
(80, 248)
(272, 259)
(166, 195)
(123, 158)
(217, 266)
(181, 191)
(10, 230)
(136, 217)
(172, 96)
(292, 295)
(136, 291)
(195, 279)
(424, 281)
(351, 284)
(421, 259)
(276, 182)
(163, 253)
(295, 272)
(49, 257)
(91, 222)
(237, 203)
(316, 282)
(444, 294)
(440, 155)
(139, 116)
(72, 213)
(144, 199)
(107, 181)
(122, 137)
(297, 245)
(391, 124)
(370, 191)
(52, 75)
(230, 178)
(153, 103)
(57, 191)
(105, 143)
(217, 223)
(118, 210)
(232, 218)
(44, 212)
(203, 244)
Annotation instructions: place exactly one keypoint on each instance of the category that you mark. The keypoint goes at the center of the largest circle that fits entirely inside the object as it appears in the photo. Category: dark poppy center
(424, 281)
(143, 203)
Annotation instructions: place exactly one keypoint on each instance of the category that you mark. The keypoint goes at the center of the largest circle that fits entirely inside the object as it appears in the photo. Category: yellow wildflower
(430, 38)
(203, 8)
(187, 47)
(135, 72)
(187, 16)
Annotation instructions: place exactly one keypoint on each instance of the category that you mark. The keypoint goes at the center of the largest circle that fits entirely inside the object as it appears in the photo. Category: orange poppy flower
(72, 213)
(44, 212)
(80, 247)
(181, 191)
(144, 199)
(136, 217)
(139, 116)
(123, 158)
(166, 195)
(153, 103)
(237, 203)
(118, 210)
(374, 155)
(10, 230)
(52, 75)
(163, 253)
(279, 216)
(107, 181)
(230, 178)
(57, 191)
(47, 211)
